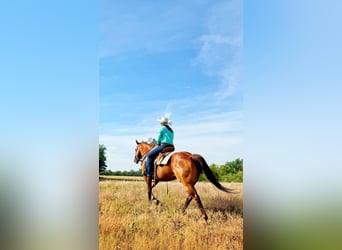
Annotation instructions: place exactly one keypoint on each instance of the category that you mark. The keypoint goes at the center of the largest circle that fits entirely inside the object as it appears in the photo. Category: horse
(183, 166)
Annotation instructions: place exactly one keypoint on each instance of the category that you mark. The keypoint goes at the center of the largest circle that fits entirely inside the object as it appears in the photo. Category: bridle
(139, 158)
(142, 159)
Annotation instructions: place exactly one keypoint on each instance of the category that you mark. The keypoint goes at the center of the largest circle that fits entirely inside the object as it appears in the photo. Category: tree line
(229, 172)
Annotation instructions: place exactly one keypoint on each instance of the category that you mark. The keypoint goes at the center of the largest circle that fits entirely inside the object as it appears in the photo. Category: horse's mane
(145, 142)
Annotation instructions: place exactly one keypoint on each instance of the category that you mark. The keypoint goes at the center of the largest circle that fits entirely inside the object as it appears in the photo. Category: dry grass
(128, 221)
(121, 178)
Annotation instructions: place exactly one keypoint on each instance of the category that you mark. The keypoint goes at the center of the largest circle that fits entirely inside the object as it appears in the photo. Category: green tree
(152, 141)
(233, 167)
(102, 158)
(229, 172)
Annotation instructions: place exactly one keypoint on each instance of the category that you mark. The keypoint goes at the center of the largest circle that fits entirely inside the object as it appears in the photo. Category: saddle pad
(164, 160)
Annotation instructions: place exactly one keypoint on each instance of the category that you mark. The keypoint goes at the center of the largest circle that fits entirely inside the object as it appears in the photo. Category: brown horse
(183, 166)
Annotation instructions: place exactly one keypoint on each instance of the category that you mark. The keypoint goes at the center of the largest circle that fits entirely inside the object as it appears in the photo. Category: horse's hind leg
(187, 202)
(193, 194)
(200, 206)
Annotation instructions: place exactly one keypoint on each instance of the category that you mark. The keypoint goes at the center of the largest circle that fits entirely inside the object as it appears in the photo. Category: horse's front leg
(154, 183)
(148, 181)
(149, 186)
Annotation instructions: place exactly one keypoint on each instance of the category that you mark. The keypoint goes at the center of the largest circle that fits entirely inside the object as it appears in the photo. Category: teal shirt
(165, 136)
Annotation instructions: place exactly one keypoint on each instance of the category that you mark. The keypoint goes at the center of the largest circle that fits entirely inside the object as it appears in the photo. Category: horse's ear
(137, 141)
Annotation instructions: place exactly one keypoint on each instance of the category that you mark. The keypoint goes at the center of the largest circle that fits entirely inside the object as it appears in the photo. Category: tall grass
(128, 221)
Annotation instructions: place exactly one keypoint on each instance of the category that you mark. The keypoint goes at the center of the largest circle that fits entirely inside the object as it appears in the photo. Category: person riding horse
(165, 139)
(183, 166)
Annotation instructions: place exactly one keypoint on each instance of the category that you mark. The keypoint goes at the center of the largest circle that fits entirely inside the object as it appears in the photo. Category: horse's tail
(203, 166)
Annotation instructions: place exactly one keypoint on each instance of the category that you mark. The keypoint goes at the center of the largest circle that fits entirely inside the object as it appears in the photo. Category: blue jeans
(150, 159)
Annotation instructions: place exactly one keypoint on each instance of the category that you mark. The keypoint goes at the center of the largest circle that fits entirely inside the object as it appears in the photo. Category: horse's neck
(146, 149)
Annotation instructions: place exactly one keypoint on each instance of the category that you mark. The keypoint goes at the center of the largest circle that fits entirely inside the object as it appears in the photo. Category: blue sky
(292, 107)
(49, 120)
(64, 83)
(175, 58)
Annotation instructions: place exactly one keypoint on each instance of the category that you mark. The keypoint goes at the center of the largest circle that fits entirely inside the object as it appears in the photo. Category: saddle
(162, 158)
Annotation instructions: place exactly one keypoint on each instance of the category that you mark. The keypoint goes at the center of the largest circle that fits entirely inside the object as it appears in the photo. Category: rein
(142, 159)
(144, 156)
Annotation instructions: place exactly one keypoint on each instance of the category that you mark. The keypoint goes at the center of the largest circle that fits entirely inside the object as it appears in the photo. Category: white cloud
(217, 137)
(220, 53)
(148, 27)
(215, 149)
(229, 81)
(202, 122)
(120, 151)
(217, 49)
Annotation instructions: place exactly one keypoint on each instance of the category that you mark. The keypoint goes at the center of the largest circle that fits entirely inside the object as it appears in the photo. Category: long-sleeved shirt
(165, 136)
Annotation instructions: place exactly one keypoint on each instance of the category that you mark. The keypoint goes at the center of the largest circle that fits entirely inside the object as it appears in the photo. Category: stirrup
(148, 174)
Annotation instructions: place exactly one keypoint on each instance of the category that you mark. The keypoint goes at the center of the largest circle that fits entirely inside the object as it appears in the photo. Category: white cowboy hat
(164, 120)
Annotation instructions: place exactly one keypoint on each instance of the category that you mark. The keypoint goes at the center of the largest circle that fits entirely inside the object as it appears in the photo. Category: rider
(165, 138)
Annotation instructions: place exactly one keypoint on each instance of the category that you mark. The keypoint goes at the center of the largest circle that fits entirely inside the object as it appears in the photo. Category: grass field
(121, 178)
(128, 221)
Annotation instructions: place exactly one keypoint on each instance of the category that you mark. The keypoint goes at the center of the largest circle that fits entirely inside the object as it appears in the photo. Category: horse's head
(138, 155)
(141, 150)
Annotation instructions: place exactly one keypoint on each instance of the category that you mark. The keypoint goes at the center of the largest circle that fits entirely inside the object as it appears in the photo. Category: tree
(102, 158)
(233, 167)
(152, 141)
(229, 172)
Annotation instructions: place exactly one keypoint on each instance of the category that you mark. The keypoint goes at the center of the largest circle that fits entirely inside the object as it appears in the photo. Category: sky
(49, 110)
(181, 59)
(262, 83)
